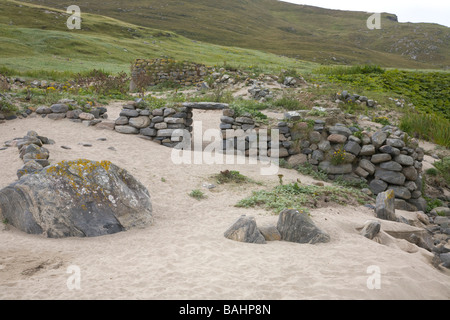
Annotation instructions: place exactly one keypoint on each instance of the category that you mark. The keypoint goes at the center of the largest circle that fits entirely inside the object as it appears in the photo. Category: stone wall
(155, 71)
(383, 159)
(166, 125)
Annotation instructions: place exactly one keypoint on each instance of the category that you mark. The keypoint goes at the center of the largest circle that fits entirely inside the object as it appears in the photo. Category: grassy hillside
(304, 32)
(33, 37)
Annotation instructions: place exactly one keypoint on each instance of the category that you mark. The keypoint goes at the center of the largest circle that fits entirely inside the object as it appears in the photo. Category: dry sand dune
(184, 254)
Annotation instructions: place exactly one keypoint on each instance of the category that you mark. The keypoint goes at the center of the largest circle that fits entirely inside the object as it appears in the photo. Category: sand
(184, 255)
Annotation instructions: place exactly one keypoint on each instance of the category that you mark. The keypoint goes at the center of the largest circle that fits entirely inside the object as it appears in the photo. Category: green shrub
(432, 172)
(433, 203)
(197, 194)
(240, 107)
(228, 176)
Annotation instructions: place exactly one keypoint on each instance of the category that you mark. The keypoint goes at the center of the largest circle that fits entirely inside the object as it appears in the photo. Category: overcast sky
(434, 11)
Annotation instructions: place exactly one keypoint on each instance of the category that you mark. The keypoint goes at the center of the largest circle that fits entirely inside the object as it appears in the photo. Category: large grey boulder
(79, 198)
(299, 227)
(245, 230)
(385, 205)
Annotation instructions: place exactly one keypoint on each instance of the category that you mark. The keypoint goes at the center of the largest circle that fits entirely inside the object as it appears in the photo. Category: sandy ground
(184, 255)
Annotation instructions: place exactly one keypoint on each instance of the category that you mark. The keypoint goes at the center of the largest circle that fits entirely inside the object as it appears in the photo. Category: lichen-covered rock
(385, 205)
(299, 227)
(76, 198)
(245, 230)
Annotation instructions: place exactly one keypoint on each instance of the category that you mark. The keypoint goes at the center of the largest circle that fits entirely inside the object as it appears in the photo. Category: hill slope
(303, 32)
(34, 37)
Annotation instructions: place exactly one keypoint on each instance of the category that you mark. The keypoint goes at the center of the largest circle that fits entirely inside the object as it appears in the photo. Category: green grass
(288, 101)
(427, 91)
(197, 194)
(303, 32)
(38, 41)
(228, 176)
(301, 197)
(241, 106)
(430, 127)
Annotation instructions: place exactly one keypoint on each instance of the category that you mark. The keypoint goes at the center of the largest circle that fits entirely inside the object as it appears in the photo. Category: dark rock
(367, 150)
(150, 132)
(378, 138)
(371, 229)
(352, 147)
(404, 160)
(391, 177)
(391, 166)
(396, 143)
(76, 198)
(367, 166)
(59, 108)
(401, 192)
(299, 227)
(381, 157)
(29, 167)
(419, 203)
(377, 186)
(340, 130)
(126, 129)
(129, 113)
(245, 230)
(390, 150)
(43, 110)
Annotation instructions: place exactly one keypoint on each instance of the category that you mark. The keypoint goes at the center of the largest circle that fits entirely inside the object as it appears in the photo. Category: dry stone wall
(154, 71)
(384, 159)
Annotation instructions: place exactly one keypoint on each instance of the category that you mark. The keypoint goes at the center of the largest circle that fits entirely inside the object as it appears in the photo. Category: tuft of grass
(197, 194)
(433, 203)
(301, 197)
(240, 107)
(288, 101)
(228, 176)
